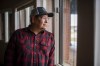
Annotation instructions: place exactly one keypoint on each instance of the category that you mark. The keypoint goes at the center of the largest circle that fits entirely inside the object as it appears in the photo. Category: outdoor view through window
(70, 46)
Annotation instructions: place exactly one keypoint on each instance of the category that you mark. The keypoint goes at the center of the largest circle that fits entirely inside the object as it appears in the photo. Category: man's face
(42, 22)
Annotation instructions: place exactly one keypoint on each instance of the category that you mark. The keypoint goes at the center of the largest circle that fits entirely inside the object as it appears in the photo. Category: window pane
(22, 18)
(69, 32)
(6, 27)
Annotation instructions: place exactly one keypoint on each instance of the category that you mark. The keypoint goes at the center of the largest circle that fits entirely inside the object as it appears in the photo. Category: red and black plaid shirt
(27, 49)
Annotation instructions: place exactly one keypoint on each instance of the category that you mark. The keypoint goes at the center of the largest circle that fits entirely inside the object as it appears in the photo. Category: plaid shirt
(27, 49)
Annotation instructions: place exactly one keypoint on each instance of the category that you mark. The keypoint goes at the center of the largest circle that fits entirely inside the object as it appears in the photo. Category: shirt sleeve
(10, 52)
(51, 54)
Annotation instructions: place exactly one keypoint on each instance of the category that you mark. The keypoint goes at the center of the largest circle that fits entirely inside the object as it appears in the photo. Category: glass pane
(22, 18)
(69, 32)
(73, 46)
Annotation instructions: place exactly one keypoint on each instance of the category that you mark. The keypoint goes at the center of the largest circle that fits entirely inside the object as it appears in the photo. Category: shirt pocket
(44, 47)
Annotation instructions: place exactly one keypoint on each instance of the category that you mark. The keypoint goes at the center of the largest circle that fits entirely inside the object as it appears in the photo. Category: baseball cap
(40, 11)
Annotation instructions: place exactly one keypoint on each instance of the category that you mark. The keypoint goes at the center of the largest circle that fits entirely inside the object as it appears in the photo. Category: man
(33, 45)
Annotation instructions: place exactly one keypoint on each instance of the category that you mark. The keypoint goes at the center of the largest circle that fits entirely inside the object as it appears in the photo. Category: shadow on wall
(3, 46)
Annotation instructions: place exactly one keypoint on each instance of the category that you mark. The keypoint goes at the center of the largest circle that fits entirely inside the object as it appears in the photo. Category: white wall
(97, 33)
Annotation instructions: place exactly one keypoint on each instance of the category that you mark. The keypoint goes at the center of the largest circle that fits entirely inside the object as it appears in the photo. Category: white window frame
(56, 32)
(6, 26)
(27, 16)
(16, 19)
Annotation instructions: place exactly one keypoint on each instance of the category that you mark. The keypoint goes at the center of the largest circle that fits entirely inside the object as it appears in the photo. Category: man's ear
(33, 19)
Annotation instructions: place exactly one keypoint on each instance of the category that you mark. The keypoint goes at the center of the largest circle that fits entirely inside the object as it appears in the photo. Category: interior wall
(0, 28)
(85, 48)
(8, 4)
(2, 51)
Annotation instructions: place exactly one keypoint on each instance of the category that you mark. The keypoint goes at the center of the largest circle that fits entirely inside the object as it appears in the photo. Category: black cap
(40, 11)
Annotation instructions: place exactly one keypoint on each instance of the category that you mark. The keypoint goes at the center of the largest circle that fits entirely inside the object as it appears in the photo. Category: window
(6, 25)
(68, 33)
(22, 17)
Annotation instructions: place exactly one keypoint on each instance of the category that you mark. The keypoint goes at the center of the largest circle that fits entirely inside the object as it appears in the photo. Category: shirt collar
(41, 32)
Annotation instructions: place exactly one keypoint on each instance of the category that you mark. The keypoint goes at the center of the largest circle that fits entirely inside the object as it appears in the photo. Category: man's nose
(46, 21)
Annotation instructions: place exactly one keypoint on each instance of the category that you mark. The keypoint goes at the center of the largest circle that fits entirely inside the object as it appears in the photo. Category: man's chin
(43, 28)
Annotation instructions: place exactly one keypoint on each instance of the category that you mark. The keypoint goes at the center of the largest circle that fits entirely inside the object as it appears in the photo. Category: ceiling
(7, 4)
